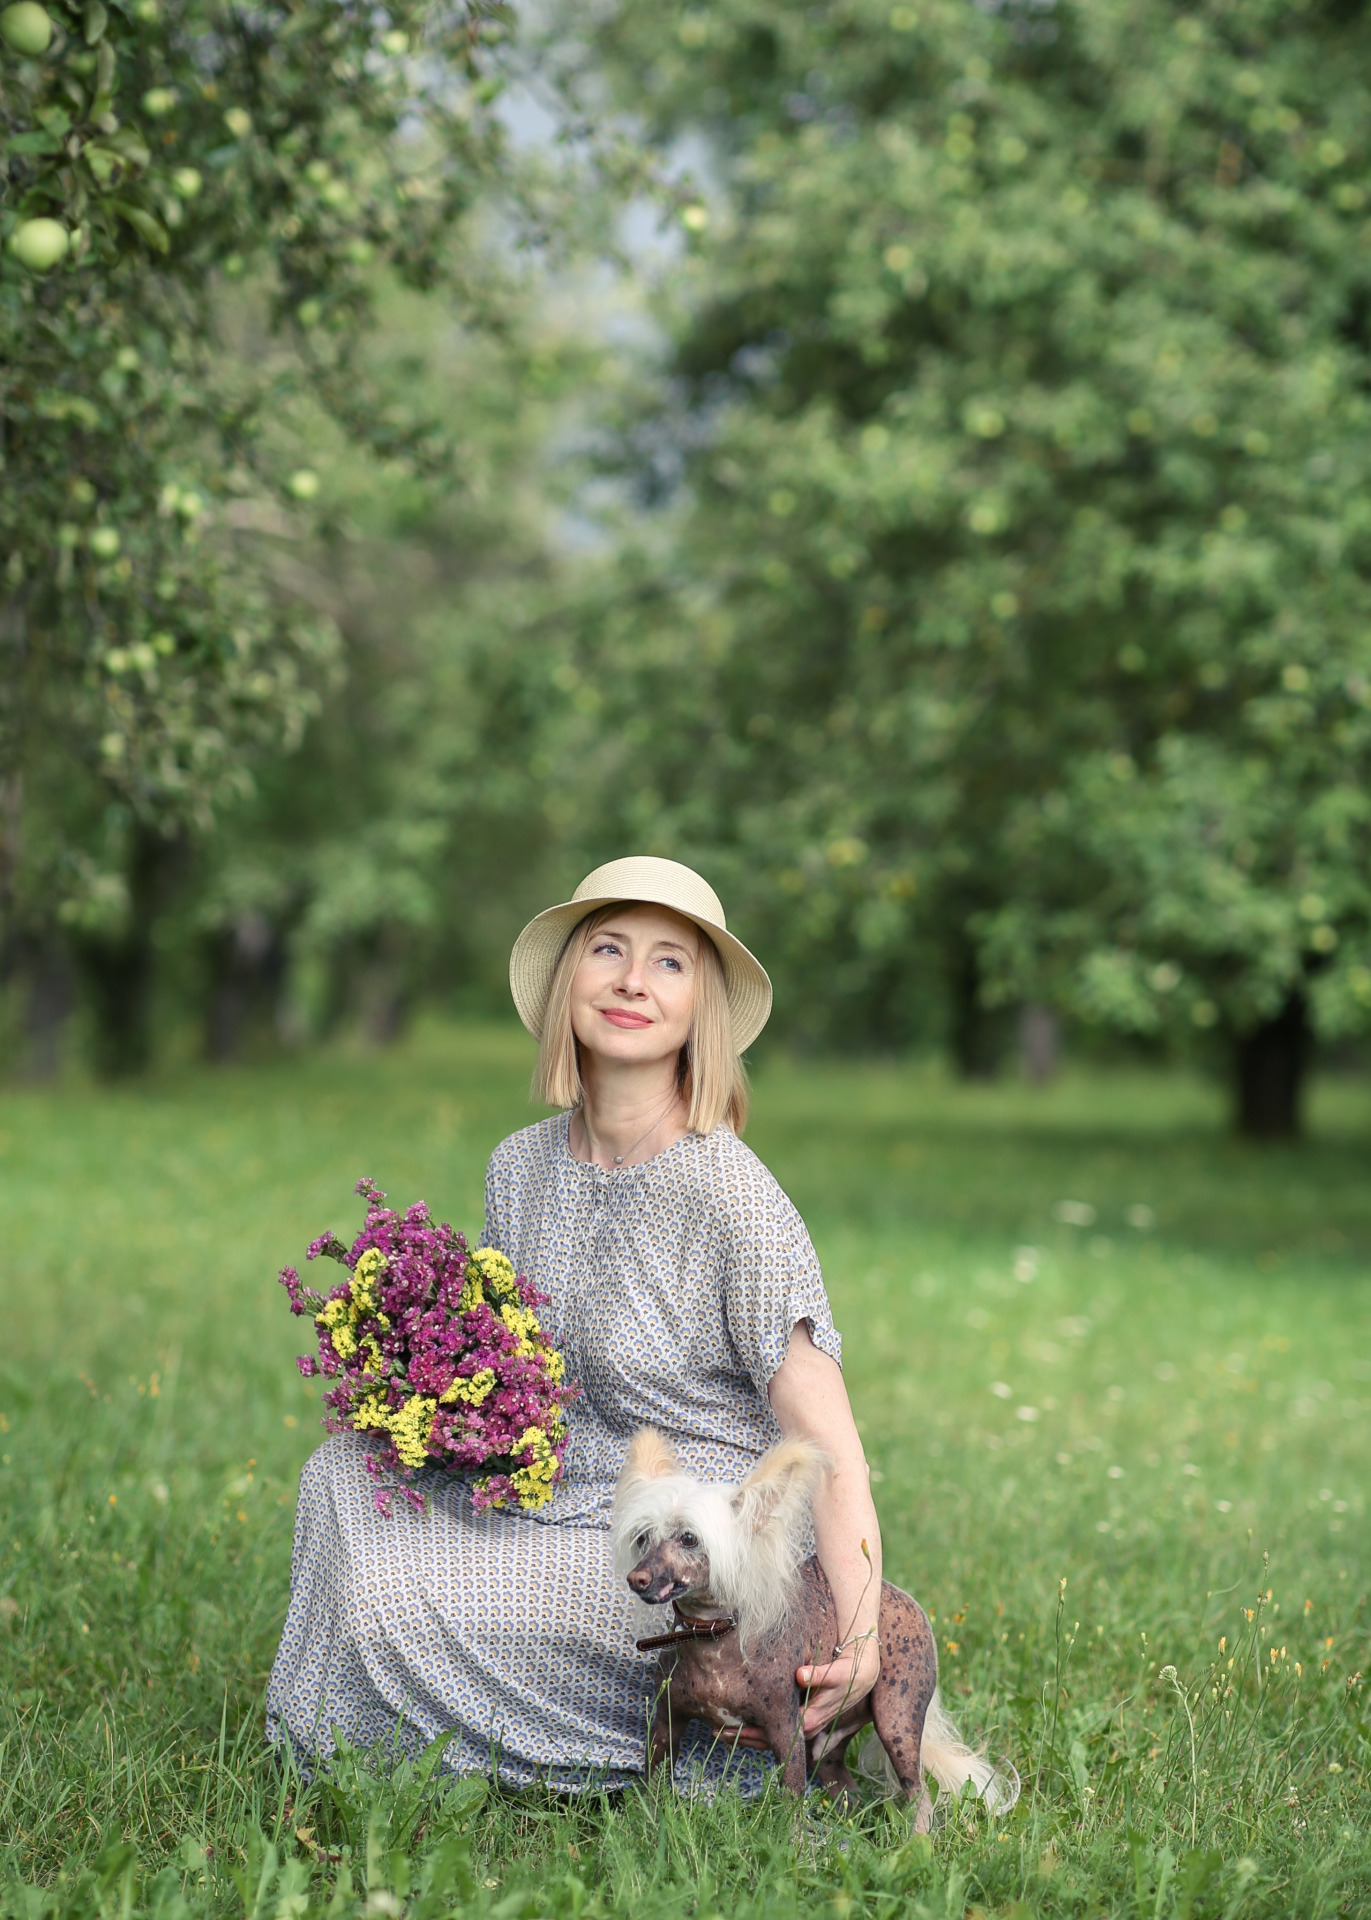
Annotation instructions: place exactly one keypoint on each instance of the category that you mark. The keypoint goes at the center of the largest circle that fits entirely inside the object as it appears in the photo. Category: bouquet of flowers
(436, 1353)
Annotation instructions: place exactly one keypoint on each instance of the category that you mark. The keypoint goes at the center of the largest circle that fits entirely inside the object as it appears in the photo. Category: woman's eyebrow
(608, 933)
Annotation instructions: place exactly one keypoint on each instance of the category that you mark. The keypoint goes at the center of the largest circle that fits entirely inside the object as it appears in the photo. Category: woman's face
(633, 992)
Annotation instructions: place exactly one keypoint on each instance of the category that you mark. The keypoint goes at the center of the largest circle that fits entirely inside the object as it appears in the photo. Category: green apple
(104, 543)
(187, 181)
(304, 484)
(39, 244)
(27, 28)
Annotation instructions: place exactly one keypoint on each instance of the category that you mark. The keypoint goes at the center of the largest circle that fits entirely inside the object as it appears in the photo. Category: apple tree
(198, 203)
(1013, 626)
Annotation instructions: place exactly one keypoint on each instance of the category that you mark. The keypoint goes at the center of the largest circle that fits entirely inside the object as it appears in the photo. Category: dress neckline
(616, 1173)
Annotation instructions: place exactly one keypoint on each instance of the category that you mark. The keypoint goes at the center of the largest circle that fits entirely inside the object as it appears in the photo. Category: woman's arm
(810, 1402)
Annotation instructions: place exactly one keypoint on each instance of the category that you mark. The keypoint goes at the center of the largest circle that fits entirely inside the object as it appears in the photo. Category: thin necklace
(619, 1158)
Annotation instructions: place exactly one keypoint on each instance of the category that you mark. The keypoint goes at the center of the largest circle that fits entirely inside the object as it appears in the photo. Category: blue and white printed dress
(674, 1289)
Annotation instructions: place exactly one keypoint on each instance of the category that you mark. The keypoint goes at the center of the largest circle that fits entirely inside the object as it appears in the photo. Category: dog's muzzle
(655, 1594)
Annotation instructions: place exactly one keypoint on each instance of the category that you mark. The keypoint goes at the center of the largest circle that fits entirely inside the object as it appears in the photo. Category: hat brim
(747, 985)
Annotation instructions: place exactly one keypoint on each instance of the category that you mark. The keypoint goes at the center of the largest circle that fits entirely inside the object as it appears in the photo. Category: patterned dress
(674, 1289)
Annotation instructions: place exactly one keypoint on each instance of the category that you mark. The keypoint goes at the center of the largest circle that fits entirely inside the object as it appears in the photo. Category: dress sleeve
(772, 1281)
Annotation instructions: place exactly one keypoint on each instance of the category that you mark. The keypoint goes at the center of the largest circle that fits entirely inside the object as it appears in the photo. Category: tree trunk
(49, 1004)
(975, 1033)
(246, 966)
(1040, 1042)
(1271, 1064)
(35, 963)
(118, 969)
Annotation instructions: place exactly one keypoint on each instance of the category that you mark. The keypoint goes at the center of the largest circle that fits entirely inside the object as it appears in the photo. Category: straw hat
(662, 883)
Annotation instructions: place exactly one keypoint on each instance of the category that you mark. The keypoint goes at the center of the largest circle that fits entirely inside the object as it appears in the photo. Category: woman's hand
(838, 1684)
(832, 1687)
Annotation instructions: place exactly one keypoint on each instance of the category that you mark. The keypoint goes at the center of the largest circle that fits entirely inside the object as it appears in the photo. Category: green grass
(1180, 1440)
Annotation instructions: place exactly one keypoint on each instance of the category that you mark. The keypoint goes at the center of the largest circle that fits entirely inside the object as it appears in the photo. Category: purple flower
(396, 1330)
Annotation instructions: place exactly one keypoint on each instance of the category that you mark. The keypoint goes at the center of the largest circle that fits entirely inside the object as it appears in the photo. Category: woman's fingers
(835, 1684)
(751, 1737)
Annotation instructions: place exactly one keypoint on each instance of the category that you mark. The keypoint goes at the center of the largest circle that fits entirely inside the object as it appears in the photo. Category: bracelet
(856, 1639)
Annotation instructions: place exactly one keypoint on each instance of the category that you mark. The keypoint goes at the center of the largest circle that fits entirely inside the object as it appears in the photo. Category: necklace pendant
(618, 1159)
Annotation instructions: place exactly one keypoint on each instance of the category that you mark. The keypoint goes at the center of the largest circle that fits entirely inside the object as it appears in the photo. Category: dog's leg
(899, 1700)
(831, 1769)
(666, 1732)
(787, 1743)
(828, 1749)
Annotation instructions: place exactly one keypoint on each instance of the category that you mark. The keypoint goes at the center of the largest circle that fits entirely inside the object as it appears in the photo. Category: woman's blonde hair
(709, 1073)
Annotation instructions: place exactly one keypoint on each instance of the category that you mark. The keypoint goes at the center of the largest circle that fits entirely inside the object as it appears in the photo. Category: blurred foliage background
(909, 461)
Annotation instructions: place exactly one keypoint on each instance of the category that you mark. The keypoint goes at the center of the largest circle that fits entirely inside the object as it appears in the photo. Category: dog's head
(673, 1568)
(663, 1524)
(678, 1538)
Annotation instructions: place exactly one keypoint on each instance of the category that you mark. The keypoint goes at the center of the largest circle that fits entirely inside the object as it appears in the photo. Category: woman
(684, 1294)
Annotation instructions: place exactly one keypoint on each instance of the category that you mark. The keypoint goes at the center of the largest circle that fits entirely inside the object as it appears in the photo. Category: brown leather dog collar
(686, 1629)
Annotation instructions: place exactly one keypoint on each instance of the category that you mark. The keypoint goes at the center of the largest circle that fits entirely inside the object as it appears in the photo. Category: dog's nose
(640, 1579)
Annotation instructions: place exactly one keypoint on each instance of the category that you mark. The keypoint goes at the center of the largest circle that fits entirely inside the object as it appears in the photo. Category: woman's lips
(621, 1017)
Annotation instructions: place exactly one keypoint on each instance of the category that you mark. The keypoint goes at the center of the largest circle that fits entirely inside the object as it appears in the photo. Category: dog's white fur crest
(753, 1534)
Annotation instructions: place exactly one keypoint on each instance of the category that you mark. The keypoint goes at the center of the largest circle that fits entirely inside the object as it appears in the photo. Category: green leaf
(94, 19)
(55, 405)
(34, 143)
(143, 223)
(102, 163)
(129, 145)
(1198, 1870)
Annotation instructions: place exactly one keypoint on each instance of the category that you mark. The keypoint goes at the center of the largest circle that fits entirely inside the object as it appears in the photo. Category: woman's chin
(630, 1046)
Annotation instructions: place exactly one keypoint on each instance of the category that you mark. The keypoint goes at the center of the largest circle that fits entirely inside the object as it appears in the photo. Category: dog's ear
(650, 1456)
(776, 1495)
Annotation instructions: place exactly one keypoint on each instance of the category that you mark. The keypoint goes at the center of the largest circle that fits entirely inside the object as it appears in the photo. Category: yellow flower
(410, 1427)
(471, 1294)
(533, 1483)
(495, 1268)
(371, 1415)
(521, 1321)
(362, 1286)
(472, 1392)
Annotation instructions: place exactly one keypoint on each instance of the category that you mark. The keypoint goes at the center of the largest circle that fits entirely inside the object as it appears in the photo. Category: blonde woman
(684, 1293)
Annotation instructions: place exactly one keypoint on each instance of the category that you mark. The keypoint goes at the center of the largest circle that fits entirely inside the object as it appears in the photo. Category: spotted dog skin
(709, 1680)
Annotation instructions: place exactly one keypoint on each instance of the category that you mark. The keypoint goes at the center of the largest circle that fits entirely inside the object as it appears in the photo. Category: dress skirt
(511, 1636)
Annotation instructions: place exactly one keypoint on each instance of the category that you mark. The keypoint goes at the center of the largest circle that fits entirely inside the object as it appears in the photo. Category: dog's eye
(689, 1540)
(641, 1543)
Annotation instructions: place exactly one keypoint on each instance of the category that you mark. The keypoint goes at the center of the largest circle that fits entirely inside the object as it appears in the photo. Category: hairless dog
(748, 1610)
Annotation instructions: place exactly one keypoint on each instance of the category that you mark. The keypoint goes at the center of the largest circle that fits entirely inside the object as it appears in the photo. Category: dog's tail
(952, 1762)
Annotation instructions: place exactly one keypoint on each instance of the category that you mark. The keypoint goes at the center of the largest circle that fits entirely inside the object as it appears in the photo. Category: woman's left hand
(832, 1687)
(836, 1685)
